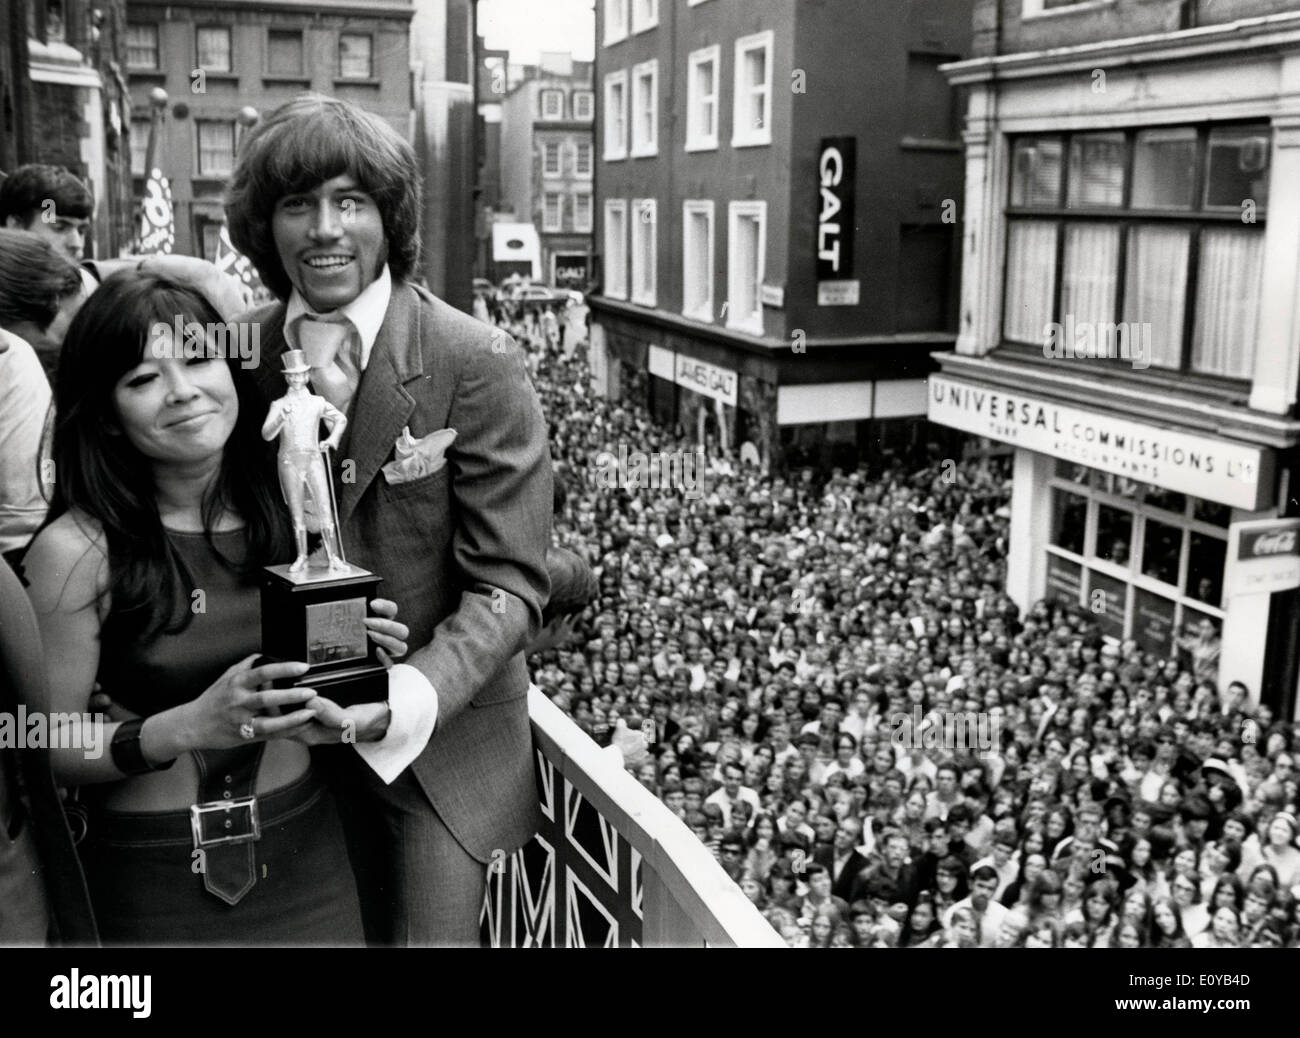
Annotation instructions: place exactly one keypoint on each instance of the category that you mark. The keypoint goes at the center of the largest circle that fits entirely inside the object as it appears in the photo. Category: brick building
(548, 163)
(1130, 313)
(64, 101)
(775, 210)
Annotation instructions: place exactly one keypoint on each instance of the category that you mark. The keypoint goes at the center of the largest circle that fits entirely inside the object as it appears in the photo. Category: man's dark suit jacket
(462, 551)
(22, 679)
(841, 883)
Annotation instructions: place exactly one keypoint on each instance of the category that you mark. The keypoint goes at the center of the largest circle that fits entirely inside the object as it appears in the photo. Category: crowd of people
(879, 748)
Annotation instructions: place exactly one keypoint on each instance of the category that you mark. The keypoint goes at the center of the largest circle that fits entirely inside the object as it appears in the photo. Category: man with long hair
(325, 201)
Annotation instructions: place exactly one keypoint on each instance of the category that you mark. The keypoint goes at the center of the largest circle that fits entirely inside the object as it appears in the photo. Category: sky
(525, 27)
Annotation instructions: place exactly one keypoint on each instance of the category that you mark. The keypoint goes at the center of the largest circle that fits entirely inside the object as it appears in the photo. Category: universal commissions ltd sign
(1225, 471)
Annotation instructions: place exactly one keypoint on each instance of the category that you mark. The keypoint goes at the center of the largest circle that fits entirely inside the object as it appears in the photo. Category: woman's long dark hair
(100, 473)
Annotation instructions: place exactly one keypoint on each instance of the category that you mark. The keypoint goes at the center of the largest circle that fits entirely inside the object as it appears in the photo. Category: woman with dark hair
(1167, 925)
(145, 581)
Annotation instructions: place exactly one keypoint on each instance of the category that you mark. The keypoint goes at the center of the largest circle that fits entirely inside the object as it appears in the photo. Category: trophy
(313, 609)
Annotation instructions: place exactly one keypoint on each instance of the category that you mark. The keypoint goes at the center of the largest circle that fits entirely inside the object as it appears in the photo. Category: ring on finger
(246, 730)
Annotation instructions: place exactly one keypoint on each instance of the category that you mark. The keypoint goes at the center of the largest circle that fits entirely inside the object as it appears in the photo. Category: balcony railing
(611, 865)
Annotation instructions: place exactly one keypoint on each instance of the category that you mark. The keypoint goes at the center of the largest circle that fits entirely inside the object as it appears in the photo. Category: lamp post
(157, 104)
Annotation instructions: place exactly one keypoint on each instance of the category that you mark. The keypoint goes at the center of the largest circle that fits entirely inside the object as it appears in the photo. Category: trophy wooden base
(316, 616)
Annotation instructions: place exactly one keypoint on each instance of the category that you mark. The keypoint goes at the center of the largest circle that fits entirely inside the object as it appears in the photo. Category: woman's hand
(232, 712)
(386, 632)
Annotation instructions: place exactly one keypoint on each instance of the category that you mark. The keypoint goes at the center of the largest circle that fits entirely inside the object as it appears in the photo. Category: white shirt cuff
(413, 704)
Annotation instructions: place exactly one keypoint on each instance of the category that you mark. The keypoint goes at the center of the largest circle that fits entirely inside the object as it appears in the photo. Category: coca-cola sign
(1267, 543)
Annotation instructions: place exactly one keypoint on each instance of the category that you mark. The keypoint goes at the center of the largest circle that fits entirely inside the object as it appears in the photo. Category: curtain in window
(1091, 272)
(1227, 302)
(1031, 280)
(1156, 286)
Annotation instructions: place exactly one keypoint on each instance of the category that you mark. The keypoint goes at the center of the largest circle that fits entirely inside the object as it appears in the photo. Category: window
(551, 159)
(645, 109)
(746, 249)
(616, 116)
(552, 211)
(552, 104)
(210, 233)
(645, 226)
(615, 21)
(702, 99)
(582, 212)
(584, 105)
(930, 103)
(216, 147)
(1156, 556)
(582, 160)
(645, 15)
(139, 146)
(697, 260)
(616, 248)
(213, 45)
(354, 56)
(284, 53)
(142, 46)
(753, 100)
(1147, 243)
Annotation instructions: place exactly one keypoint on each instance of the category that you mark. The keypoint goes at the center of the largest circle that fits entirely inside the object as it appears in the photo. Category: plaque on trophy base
(317, 618)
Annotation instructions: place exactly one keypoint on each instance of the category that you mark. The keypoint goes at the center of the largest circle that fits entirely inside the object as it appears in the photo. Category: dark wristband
(128, 758)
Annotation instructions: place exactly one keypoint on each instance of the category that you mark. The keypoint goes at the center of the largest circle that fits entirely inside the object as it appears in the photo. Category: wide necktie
(330, 347)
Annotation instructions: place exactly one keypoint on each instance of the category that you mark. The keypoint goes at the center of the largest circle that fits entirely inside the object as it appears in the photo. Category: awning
(517, 243)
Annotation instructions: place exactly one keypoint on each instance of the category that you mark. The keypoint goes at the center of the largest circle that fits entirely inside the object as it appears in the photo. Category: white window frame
(702, 138)
(744, 135)
(154, 44)
(558, 96)
(589, 97)
(558, 226)
(615, 28)
(648, 147)
(370, 55)
(584, 226)
(223, 31)
(139, 146)
(615, 260)
(640, 227)
(692, 208)
(558, 170)
(643, 21)
(1037, 8)
(736, 211)
(616, 145)
(591, 160)
(205, 169)
(695, 3)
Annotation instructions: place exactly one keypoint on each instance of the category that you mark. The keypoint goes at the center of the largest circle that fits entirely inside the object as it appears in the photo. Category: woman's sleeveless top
(225, 626)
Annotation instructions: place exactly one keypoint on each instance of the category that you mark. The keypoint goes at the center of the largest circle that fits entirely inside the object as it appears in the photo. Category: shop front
(1151, 528)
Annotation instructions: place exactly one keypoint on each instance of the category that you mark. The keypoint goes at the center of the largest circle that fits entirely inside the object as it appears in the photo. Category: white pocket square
(414, 458)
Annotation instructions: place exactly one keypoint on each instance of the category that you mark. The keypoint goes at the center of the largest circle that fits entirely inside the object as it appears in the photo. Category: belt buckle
(198, 812)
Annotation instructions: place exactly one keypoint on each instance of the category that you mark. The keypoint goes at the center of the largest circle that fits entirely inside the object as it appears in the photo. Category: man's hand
(365, 722)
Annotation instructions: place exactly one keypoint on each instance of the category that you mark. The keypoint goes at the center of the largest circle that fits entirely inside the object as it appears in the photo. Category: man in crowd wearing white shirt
(732, 791)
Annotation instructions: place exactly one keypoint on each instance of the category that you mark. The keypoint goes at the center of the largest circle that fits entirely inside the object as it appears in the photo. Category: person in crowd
(165, 497)
(38, 285)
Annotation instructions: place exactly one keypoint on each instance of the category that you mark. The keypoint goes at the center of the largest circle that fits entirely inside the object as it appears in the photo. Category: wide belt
(225, 824)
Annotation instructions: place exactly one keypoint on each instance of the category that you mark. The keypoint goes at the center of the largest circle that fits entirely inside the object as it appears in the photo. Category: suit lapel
(382, 405)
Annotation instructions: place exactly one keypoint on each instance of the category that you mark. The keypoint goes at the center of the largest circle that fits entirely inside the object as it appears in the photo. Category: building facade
(776, 218)
(216, 57)
(1130, 313)
(64, 101)
(548, 163)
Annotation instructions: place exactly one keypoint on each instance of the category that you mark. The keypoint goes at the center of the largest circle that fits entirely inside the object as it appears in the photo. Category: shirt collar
(366, 312)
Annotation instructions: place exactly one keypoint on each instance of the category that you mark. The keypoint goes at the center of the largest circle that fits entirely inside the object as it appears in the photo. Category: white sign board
(707, 379)
(1225, 471)
(1263, 557)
